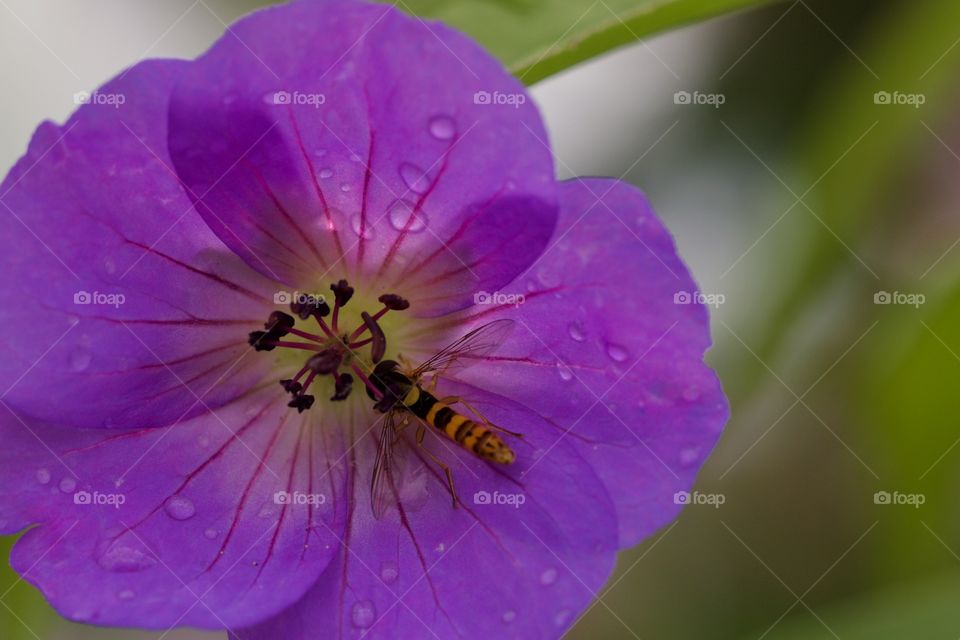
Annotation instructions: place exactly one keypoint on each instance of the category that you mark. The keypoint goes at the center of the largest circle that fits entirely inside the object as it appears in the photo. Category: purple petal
(174, 526)
(523, 565)
(345, 138)
(605, 352)
(121, 308)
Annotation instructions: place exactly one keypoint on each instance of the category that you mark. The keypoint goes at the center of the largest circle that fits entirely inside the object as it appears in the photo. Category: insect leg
(421, 432)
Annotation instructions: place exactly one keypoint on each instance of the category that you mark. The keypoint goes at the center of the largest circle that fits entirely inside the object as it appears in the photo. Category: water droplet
(565, 374)
(616, 352)
(414, 177)
(363, 614)
(109, 266)
(561, 618)
(442, 127)
(345, 187)
(68, 485)
(355, 157)
(576, 331)
(326, 173)
(389, 571)
(126, 594)
(441, 548)
(123, 558)
(179, 508)
(689, 456)
(80, 360)
(210, 534)
(362, 228)
(509, 616)
(548, 577)
(43, 476)
(403, 216)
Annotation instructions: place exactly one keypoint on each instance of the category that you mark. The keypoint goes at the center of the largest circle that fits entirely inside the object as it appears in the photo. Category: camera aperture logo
(714, 100)
(499, 298)
(696, 297)
(498, 98)
(896, 297)
(496, 498)
(99, 299)
(914, 500)
(896, 98)
(299, 498)
(97, 499)
(287, 297)
(115, 100)
(712, 499)
(297, 99)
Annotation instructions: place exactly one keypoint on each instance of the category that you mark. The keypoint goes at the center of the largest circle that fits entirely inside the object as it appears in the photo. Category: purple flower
(211, 292)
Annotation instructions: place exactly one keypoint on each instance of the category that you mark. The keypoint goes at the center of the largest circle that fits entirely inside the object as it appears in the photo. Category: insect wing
(381, 491)
(469, 349)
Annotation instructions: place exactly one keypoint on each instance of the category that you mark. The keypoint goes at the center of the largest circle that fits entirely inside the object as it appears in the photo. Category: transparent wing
(381, 491)
(469, 349)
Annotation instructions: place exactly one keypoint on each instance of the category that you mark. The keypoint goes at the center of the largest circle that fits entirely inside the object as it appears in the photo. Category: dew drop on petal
(565, 374)
(403, 216)
(561, 618)
(414, 177)
(126, 594)
(123, 558)
(210, 534)
(344, 187)
(363, 614)
(616, 352)
(509, 616)
(576, 331)
(80, 360)
(325, 173)
(548, 577)
(68, 485)
(43, 476)
(689, 456)
(389, 571)
(442, 127)
(362, 228)
(179, 508)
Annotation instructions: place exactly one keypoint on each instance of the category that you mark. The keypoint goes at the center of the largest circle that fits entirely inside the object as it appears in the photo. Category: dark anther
(259, 341)
(326, 361)
(291, 386)
(301, 403)
(343, 387)
(378, 346)
(342, 291)
(313, 306)
(279, 323)
(394, 302)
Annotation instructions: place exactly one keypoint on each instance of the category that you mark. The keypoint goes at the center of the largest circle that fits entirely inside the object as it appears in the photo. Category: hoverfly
(404, 397)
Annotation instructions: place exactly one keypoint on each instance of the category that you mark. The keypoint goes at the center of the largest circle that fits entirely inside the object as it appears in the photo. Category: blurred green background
(800, 200)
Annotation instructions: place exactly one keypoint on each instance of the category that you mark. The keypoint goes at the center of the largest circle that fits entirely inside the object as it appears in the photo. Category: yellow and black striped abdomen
(468, 434)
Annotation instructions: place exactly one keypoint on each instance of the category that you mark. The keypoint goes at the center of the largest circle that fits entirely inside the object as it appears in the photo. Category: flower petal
(527, 549)
(344, 138)
(174, 526)
(116, 296)
(609, 346)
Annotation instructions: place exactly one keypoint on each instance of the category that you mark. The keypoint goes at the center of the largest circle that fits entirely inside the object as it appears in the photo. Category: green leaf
(536, 39)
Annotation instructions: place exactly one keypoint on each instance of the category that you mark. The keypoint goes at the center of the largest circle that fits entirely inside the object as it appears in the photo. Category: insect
(404, 396)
